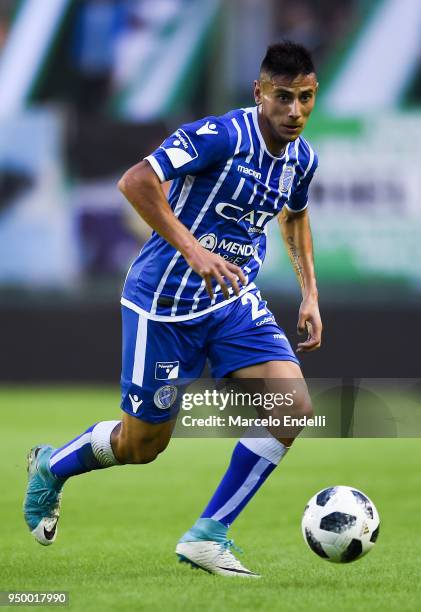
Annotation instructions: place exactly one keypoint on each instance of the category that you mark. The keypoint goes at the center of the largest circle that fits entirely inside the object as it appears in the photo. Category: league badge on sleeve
(180, 149)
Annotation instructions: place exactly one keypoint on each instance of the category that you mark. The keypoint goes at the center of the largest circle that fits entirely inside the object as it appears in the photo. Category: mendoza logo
(164, 370)
(180, 149)
(208, 241)
(165, 397)
(286, 178)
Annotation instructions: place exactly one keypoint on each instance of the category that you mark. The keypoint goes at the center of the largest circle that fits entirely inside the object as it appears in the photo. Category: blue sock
(252, 461)
(89, 451)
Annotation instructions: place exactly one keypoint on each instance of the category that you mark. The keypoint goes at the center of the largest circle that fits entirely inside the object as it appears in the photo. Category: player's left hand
(309, 319)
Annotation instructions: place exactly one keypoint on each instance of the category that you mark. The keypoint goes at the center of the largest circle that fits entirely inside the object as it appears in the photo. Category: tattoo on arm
(294, 255)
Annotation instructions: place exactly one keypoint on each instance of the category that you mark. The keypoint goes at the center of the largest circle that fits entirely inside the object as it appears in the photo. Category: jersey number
(255, 311)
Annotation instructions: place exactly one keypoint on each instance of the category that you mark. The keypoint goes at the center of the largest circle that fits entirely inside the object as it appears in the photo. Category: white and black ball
(340, 524)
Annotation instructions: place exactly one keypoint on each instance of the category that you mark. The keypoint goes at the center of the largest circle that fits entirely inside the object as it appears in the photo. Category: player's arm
(296, 234)
(142, 188)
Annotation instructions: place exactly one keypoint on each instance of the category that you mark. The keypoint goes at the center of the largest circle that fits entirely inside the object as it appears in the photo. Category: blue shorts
(159, 356)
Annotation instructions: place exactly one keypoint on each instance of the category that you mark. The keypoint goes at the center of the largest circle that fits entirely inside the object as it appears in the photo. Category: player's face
(285, 105)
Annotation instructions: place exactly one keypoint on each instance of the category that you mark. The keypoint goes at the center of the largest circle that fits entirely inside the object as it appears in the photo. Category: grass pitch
(119, 526)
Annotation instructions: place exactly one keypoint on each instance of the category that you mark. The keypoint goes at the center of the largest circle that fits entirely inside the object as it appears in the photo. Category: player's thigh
(282, 379)
(249, 345)
(158, 357)
(247, 335)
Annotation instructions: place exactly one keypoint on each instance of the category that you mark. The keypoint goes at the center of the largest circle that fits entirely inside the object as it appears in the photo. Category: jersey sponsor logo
(165, 370)
(208, 241)
(208, 128)
(249, 171)
(165, 397)
(237, 248)
(286, 178)
(235, 252)
(180, 149)
(256, 218)
(136, 402)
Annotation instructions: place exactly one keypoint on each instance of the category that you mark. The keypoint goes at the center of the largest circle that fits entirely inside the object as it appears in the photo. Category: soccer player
(190, 296)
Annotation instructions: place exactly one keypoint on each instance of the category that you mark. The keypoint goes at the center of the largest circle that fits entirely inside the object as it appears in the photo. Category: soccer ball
(340, 524)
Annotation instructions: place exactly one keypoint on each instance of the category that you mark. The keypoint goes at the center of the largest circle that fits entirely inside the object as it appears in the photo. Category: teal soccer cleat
(43, 496)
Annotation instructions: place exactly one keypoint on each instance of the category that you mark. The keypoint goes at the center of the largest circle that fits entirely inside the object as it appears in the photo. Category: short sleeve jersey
(226, 187)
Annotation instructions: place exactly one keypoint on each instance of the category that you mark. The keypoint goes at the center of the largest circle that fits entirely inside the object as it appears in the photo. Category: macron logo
(136, 402)
(208, 128)
(249, 171)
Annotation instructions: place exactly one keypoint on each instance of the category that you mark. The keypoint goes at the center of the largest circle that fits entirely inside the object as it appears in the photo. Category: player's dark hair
(287, 58)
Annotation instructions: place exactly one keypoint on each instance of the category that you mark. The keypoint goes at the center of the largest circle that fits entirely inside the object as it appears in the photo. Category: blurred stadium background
(89, 87)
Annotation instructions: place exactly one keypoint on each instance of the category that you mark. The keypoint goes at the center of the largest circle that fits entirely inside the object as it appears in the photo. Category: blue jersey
(226, 187)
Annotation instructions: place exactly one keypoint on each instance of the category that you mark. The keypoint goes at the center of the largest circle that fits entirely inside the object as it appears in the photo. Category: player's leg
(240, 347)
(150, 401)
(101, 446)
(259, 451)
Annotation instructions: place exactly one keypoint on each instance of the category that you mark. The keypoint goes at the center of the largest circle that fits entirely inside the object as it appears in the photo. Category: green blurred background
(89, 87)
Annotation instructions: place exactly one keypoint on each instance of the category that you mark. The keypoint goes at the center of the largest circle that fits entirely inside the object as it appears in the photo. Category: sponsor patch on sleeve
(180, 149)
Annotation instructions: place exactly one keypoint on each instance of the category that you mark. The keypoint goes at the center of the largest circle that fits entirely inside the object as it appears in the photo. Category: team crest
(286, 179)
(165, 397)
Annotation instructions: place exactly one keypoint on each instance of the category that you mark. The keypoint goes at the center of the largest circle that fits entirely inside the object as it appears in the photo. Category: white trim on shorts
(154, 317)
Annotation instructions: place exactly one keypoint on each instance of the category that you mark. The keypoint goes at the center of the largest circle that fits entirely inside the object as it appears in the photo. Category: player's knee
(304, 408)
(142, 451)
(140, 454)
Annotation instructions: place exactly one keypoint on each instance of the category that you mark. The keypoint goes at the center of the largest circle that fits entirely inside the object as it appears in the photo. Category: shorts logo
(180, 149)
(136, 402)
(164, 370)
(208, 241)
(165, 397)
(286, 178)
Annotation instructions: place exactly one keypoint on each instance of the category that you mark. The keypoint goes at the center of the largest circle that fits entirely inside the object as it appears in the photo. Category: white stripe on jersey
(195, 225)
(263, 200)
(187, 186)
(261, 157)
(185, 191)
(239, 188)
(196, 296)
(256, 255)
(250, 155)
(140, 351)
(253, 195)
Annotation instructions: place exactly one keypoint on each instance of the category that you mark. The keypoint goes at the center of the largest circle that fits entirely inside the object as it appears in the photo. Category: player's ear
(257, 92)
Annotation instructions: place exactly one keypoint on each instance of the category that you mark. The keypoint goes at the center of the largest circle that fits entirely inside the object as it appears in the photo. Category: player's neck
(273, 145)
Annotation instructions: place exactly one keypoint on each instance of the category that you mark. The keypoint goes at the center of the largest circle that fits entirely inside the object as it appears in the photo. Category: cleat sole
(193, 565)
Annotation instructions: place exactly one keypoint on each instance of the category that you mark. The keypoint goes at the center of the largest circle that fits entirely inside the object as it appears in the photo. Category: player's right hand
(211, 266)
